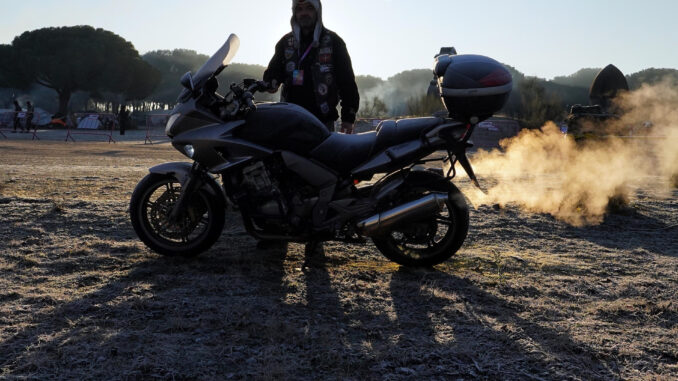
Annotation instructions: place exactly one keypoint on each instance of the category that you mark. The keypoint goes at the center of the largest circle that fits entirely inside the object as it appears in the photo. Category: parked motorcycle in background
(293, 180)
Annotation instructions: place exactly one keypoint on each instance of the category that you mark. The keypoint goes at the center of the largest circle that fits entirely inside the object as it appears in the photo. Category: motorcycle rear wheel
(428, 241)
(195, 231)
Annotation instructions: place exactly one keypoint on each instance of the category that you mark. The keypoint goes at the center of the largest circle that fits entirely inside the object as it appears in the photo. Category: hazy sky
(384, 37)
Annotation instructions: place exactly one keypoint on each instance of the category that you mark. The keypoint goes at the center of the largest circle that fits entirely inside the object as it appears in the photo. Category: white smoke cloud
(545, 171)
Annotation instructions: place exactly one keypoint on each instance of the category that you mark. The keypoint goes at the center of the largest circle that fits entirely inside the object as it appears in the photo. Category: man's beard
(306, 22)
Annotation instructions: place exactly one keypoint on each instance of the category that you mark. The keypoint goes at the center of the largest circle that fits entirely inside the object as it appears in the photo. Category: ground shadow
(518, 349)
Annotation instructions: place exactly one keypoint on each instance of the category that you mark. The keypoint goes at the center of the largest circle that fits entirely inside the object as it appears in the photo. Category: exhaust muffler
(416, 209)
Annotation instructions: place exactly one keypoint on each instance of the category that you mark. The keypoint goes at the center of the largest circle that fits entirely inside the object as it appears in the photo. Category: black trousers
(17, 123)
(29, 121)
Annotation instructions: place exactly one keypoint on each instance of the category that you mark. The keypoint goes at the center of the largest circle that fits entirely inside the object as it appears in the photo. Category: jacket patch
(322, 89)
(324, 58)
(291, 66)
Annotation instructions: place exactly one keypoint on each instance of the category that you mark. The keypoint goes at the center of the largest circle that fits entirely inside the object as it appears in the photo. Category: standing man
(17, 121)
(30, 111)
(123, 116)
(314, 68)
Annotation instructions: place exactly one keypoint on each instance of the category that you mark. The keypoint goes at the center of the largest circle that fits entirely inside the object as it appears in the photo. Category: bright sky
(384, 37)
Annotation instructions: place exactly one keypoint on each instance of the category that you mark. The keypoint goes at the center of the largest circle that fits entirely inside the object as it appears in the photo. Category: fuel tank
(283, 126)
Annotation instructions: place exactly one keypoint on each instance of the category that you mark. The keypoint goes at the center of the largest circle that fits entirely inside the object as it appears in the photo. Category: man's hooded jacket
(327, 70)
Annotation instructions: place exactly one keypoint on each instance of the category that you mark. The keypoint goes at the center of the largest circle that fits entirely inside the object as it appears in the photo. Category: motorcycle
(293, 180)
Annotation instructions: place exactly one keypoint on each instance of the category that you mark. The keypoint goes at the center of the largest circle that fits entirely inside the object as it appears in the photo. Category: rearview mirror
(187, 81)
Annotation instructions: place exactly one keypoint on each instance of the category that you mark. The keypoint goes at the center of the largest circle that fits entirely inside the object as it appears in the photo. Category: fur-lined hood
(296, 28)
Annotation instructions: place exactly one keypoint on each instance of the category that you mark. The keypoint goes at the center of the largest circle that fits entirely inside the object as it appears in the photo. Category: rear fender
(182, 170)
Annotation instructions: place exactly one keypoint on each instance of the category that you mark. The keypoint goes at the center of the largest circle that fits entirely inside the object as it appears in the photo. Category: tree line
(80, 58)
(89, 67)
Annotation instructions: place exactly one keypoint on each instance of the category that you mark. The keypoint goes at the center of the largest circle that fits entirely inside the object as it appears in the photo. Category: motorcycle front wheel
(194, 231)
(428, 241)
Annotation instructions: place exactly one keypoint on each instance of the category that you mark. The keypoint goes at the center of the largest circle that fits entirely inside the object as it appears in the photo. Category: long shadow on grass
(222, 313)
(28, 219)
(632, 230)
(329, 347)
(42, 327)
(652, 228)
(472, 333)
(166, 318)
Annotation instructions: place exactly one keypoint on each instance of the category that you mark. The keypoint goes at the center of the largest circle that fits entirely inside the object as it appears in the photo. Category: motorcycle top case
(472, 85)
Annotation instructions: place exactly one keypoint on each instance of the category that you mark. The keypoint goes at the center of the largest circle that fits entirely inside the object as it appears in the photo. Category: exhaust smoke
(544, 171)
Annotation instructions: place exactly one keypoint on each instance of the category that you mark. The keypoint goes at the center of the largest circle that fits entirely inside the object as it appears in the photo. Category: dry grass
(527, 297)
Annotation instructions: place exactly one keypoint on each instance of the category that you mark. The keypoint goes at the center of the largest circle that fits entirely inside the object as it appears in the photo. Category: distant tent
(608, 83)
(41, 117)
(90, 122)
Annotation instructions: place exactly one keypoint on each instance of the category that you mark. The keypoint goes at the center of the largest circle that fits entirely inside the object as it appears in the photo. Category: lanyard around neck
(308, 50)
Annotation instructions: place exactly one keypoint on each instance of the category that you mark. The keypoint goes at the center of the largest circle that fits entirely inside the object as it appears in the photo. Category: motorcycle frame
(218, 152)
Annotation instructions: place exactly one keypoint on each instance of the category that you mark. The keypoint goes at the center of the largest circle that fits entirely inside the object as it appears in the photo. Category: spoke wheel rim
(189, 227)
(420, 244)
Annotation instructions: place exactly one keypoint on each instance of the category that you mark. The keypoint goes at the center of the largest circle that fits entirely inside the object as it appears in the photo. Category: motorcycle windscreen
(218, 61)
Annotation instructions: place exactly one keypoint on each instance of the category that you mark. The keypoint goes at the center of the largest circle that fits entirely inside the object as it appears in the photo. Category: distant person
(72, 120)
(314, 68)
(30, 111)
(123, 119)
(17, 121)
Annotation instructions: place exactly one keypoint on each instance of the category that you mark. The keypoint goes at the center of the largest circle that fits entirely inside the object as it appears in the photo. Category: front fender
(182, 170)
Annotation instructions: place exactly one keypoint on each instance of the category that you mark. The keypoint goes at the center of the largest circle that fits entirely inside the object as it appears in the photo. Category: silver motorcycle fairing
(216, 148)
(188, 116)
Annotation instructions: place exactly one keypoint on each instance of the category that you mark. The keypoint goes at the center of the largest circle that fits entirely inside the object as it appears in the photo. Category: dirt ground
(526, 298)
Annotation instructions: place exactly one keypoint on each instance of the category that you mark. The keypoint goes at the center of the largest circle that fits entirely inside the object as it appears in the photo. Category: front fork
(193, 182)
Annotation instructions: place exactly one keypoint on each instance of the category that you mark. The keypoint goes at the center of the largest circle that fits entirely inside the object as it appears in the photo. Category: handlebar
(247, 97)
(242, 102)
(251, 87)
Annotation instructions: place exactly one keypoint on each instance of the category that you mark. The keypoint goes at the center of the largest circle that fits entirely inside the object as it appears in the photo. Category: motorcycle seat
(343, 152)
(394, 132)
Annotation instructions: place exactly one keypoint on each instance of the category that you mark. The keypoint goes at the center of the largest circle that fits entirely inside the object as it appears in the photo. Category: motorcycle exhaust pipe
(413, 210)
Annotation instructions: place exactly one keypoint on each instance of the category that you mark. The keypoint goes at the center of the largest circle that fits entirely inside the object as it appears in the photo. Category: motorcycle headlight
(189, 150)
(170, 123)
